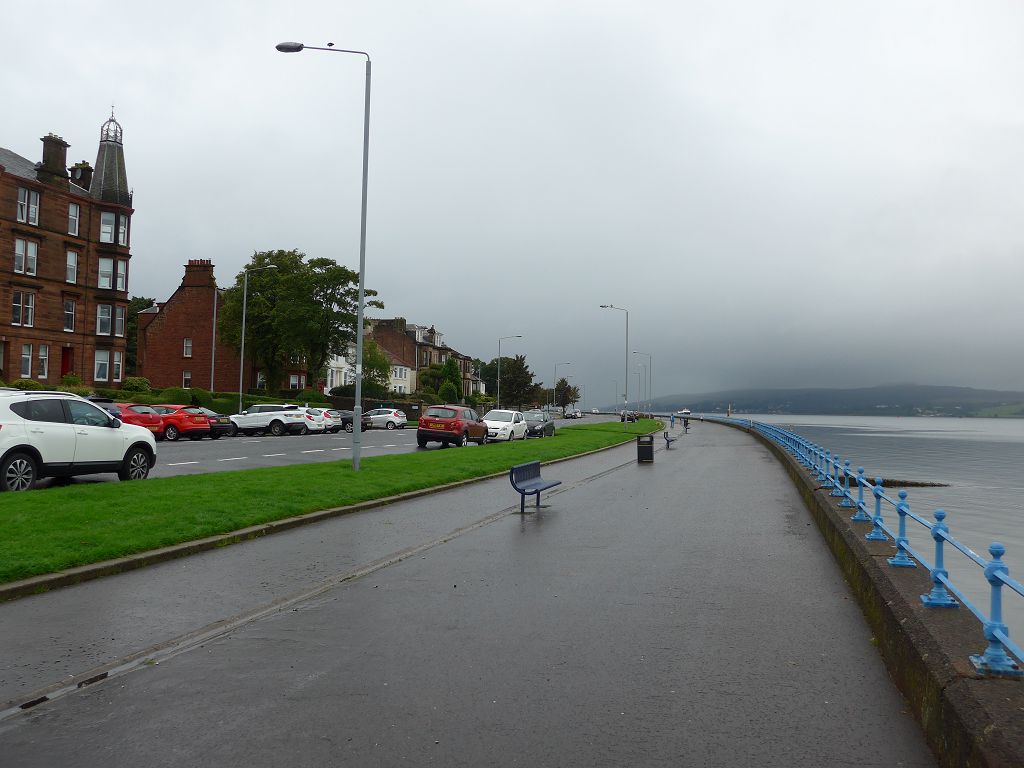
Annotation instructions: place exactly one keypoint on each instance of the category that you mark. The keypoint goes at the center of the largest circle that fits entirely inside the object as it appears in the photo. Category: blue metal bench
(669, 440)
(526, 479)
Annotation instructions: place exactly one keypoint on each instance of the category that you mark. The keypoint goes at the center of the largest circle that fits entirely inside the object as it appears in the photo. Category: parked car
(573, 413)
(388, 418)
(505, 425)
(628, 416)
(347, 422)
(220, 424)
(57, 434)
(539, 424)
(183, 421)
(450, 425)
(594, 410)
(315, 421)
(133, 413)
(264, 417)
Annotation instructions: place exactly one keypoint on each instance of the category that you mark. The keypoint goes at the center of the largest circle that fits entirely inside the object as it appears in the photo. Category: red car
(187, 420)
(448, 424)
(134, 413)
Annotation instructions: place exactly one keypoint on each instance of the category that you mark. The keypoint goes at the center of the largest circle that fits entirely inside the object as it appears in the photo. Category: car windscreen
(440, 413)
(534, 416)
(141, 409)
(498, 416)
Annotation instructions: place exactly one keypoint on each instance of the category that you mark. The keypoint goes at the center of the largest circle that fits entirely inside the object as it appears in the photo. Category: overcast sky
(781, 193)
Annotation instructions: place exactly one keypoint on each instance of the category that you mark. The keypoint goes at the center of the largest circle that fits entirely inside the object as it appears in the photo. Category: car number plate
(436, 425)
(154, 428)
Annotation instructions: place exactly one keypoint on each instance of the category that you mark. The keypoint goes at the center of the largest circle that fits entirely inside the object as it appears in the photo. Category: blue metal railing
(1002, 657)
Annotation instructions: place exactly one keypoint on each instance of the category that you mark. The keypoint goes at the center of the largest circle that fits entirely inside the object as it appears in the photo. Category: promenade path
(680, 613)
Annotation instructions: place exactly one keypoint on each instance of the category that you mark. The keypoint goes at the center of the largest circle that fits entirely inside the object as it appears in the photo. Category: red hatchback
(448, 424)
(142, 415)
(187, 420)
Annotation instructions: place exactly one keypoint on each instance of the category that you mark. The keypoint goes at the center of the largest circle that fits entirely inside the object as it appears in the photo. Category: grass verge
(50, 530)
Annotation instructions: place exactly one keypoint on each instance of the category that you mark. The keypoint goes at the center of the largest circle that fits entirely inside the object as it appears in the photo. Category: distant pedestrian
(672, 421)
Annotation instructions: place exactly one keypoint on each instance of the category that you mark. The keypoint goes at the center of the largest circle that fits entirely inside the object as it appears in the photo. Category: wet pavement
(684, 612)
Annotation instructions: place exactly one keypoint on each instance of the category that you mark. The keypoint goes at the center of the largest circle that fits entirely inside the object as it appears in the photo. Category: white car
(316, 421)
(264, 418)
(387, 418)
(57, 434)
(505, 425)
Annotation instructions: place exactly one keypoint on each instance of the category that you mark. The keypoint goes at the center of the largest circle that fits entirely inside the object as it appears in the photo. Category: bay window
(106, 278)
(101, 368)
(28, 206)
(23, 308)
(107, 227)
(26, 361)
(103, 319)
(26, 256)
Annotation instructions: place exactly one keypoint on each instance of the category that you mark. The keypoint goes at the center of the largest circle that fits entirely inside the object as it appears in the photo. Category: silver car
(387, 418)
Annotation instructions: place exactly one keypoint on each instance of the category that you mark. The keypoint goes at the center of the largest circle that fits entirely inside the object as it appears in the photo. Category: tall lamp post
(625, 395)
(245, 301)
(554, 381)
(641, 390)
(650, 380)
(357, 411)
(498, 395)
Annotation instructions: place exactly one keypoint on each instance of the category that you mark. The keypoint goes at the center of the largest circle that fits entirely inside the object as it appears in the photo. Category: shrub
(70, 380)
(82, 391)
(224, 404)
(113, 394)
(27, 384)
(308, 396)
(448, 393)
(136, 384)
(201, 397)
(176, 396)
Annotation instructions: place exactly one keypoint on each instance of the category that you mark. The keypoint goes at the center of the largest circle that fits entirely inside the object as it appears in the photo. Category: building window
(23, 305)
(26, 361)
(119, 321)
(69, 316)
(73, 214)
(106, 279)
(186, 347)
(101, 370)
(293, 381)
(186, 379)
(118, 358)
(106, 229)
(26, 254)
(122, 230)
(28, 206)
(44, 361)
(103, 319)
(261, 380)
(71, 276)
(122, 275)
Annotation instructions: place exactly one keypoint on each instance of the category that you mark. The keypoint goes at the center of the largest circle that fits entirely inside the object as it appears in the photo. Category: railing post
(828, 468)
(901, 560)
(861, 516)
(876, 534)
(995, 660)
(819, 460)
(847, 499)
(939, 597)
(838, 489)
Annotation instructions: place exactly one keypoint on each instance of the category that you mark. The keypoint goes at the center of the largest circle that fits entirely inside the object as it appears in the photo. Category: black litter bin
(645, 449)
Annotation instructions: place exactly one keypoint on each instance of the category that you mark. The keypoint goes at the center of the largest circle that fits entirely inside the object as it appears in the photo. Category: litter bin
(645, 449)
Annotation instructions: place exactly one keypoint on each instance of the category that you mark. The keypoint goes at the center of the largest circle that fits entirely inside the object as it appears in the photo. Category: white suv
(58, 434)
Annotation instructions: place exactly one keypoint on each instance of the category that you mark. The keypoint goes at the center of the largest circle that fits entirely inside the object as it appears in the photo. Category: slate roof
(16, 165)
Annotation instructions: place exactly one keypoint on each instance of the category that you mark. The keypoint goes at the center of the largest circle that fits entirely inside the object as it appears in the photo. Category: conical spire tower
(110, 180)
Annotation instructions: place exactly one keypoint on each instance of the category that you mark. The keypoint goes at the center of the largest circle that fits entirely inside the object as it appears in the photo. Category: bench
(526, 479)
(669, 440)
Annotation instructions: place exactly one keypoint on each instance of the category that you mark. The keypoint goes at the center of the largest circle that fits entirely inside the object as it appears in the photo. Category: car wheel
(390, 425)
(421, 442)
(304, 430)
(524, 434)
(171, 433)
(349, 427)
(18, 473)
(483, 440)
(135, 466)
(233, 430)
(277, 428)
(511, 436)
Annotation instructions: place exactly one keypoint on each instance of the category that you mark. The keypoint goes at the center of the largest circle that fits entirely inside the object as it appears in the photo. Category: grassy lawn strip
(56, 528)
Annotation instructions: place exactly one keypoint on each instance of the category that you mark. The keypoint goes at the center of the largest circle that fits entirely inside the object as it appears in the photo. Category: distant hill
(886, 400)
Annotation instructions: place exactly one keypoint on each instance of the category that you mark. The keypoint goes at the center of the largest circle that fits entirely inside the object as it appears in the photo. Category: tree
(376, 366)
(516, 380)
(566, 394)
(431, 378)
(448, 393)
(453, 375)
(135, 305)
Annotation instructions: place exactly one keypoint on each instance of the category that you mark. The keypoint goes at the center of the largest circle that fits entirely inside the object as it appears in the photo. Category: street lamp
(642, 389)
(497, 397)
(245, 298)
(650, 381)
(554, 381)
(357, 411)
(625, 395)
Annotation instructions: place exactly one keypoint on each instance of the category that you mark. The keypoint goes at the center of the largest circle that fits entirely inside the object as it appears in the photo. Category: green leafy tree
(453, 374)
(429, 379)
(448, 393)
(516, 381)
(135, 305)
(566, 394)
(376, 367)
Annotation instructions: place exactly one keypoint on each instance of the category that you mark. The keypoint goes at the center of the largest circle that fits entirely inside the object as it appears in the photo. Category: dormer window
(28, 206)
(107, 227)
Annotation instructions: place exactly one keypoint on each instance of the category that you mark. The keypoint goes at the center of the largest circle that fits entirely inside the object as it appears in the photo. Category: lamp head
(289, 47)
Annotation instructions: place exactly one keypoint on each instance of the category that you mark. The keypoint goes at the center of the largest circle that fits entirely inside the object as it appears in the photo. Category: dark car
(539, 424)
(347, 423)
(219, 423)
(450, 425)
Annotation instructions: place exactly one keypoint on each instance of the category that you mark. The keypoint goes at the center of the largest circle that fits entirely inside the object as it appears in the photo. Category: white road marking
(391, 445)
(268, 455)
(341, 449)
(315, 450)
(236, 458)
(182, 463)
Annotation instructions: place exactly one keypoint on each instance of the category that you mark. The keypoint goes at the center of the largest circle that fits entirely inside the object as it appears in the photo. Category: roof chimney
(55, 158)
(199, 274)
(81, 175)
